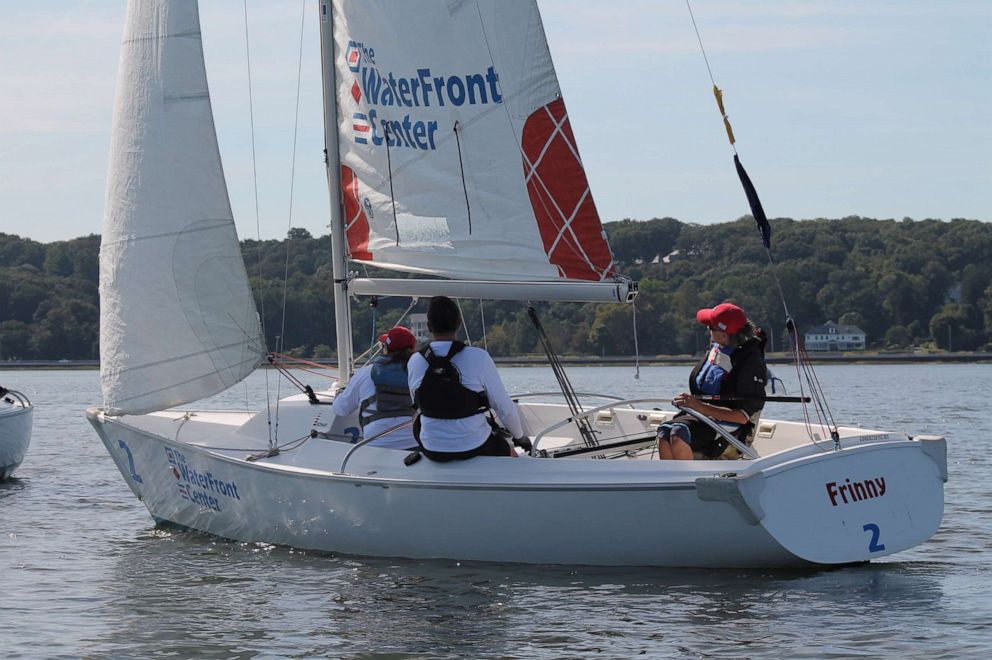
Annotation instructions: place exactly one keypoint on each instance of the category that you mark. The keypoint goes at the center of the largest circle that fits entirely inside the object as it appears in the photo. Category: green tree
(958, 327)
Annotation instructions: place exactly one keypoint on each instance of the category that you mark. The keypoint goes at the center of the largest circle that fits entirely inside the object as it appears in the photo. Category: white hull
(15, 435)
(775, 511)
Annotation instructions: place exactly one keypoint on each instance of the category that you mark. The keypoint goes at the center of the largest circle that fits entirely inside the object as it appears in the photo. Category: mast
(332, 154)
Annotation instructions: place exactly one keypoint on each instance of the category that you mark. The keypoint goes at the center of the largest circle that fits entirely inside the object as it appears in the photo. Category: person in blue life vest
(380, 393)
(455, 387)
(735, 367)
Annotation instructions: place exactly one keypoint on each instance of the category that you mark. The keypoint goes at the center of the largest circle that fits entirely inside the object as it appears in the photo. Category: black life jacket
(441, 394)
(752, 349)
(392, 393)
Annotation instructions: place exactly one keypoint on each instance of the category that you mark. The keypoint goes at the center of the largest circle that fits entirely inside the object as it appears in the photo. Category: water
(86, 574)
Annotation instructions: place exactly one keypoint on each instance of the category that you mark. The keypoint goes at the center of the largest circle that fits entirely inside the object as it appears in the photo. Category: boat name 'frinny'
(425, 89)
(855, 491)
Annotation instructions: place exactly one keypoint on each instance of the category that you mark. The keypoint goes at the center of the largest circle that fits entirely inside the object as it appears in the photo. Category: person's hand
(686, 400)
(524, 443)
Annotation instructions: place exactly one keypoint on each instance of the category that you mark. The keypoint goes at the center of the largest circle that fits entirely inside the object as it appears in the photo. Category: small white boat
(450, 154)
(16, 413)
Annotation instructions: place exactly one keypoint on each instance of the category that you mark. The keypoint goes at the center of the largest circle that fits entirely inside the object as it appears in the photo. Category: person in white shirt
(455, 386)
(381, 394)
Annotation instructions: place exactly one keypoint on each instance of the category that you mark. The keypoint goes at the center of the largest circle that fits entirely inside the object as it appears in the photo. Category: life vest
(441, 394)
(752, 349)
(392, 393)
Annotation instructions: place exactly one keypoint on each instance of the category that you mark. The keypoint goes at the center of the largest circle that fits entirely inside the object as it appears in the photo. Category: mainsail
(457, 155)
(177, 321)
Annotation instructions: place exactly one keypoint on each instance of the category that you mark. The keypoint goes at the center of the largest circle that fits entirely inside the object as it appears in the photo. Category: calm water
(86, 574)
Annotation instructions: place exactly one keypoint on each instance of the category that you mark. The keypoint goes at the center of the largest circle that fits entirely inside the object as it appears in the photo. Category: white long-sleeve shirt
(360, 388)
(478, 373)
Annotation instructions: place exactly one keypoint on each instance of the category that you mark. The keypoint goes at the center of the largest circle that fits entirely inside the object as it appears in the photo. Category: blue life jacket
(392, 393)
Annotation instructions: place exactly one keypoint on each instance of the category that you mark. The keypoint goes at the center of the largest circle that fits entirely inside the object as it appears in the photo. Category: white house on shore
(833, 337)
(418, 326)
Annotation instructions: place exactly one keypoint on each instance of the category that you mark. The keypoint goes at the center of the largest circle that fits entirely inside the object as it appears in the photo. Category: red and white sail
(457, 156)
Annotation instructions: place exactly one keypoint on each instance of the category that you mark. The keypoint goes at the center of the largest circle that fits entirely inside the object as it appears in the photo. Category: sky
(865, 107)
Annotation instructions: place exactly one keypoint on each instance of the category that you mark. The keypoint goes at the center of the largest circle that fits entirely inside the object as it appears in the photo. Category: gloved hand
(524, 443)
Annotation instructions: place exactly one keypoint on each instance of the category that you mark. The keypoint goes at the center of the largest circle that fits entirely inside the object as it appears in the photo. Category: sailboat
(16, 414)
(449, 154)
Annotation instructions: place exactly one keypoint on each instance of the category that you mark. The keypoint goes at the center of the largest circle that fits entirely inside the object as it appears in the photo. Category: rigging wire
(468, 338)
(373, 351)
(804, 366)
(289, 222)
(258, 222)
(637, 350)
(568, 392)
(482, 313)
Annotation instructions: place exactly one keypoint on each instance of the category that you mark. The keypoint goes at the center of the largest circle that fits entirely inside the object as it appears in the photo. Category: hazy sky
(875, 108)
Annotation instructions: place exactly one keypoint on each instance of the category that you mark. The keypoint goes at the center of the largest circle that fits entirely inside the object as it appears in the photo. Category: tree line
(905, 283)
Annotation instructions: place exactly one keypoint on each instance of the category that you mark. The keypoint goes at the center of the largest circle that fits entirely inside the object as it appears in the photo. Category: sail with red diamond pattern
(457, 156)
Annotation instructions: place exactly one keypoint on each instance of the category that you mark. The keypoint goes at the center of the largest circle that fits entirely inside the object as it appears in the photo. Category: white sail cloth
(457, 155)
(178, 322)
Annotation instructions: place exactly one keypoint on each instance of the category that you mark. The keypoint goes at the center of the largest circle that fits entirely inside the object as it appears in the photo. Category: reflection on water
(194, 594)
(87, 574)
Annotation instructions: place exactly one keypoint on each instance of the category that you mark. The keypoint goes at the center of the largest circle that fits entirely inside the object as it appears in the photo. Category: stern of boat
(846, 506)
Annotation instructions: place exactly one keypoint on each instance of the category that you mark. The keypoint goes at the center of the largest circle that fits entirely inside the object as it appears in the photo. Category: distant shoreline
(624, 360)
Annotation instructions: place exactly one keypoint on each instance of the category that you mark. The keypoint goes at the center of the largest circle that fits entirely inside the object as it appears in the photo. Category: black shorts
(702, 438)
(493, 446)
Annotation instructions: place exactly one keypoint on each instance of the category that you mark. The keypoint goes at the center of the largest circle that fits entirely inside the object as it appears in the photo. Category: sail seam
(224, 224)
(199, 96)
(189, 34)
(188, 356)
(204, 376)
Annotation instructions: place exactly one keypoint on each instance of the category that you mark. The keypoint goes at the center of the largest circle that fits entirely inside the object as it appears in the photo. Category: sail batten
(457, 155)
(178, 322)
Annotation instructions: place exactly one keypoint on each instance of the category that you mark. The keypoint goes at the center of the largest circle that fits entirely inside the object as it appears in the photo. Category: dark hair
(443, 315)
(749, 331)
(402, 356)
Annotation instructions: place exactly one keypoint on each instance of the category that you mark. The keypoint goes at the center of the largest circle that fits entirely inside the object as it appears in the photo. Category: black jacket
(747, 377)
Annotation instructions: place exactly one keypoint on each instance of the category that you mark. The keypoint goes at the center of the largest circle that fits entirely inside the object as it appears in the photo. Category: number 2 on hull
(874, 545)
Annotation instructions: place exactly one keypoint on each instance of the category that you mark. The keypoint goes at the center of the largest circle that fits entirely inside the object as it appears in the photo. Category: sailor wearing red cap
(380, 393)
(733, 367)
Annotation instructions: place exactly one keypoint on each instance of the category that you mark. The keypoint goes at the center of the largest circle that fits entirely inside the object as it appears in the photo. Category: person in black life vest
(380, 393)
(733, 367)
(455, 386)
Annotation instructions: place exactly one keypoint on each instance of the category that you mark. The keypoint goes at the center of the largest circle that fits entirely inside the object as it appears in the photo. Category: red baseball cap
(397, 339)
(727, 317)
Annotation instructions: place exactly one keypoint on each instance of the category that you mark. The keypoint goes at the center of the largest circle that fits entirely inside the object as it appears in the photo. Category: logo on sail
(360, 124)
(388, 95)
(353, 56)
